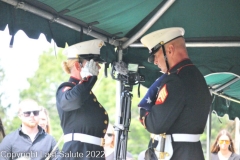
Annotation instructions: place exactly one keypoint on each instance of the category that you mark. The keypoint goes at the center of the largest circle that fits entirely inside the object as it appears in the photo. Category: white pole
(209, 127)
(149, 24)
(237, 135)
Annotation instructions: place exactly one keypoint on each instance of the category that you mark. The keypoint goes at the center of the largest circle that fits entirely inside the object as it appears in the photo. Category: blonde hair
(68, 65)
(48, 127)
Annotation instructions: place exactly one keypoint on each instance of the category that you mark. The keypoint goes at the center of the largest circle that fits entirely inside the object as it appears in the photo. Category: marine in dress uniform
(183, 100)
(84, 120)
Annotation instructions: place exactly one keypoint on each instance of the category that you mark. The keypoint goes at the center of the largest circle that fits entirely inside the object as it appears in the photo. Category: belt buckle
(102, 142)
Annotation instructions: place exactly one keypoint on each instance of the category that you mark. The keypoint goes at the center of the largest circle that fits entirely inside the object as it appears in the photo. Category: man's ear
(171, 50)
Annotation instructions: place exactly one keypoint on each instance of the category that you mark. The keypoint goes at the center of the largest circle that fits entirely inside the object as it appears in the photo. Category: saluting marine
(182, 104)
(84, 121)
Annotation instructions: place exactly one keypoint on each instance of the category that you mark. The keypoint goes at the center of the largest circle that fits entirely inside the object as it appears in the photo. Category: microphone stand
(122, 125)
(122, 128)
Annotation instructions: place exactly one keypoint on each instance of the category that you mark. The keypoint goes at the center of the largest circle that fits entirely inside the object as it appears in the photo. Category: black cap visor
(95, 57)
(152, 53)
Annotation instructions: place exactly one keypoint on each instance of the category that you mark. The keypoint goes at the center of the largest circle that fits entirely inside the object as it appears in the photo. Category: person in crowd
(183, 100)
(223, 147)
(2, 132)
(44, 121)
(84, 120)
(30, 140)
(110, 145)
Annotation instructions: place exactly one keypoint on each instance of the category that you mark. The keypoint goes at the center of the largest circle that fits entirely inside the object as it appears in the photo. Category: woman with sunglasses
(223, 147)
(109, 144)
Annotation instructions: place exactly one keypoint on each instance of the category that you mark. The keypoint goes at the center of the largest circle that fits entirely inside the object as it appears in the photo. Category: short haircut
(25, 102)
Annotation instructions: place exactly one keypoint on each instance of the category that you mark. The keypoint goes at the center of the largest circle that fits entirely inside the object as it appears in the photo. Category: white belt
(168, 149)
(84, 138)
(183, 137)
(186, 137)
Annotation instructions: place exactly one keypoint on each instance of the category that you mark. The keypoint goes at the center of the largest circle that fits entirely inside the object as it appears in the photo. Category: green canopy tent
(212, 33)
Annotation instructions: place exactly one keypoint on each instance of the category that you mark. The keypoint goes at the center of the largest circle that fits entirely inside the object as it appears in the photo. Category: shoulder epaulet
(69, 84)
(66, 85)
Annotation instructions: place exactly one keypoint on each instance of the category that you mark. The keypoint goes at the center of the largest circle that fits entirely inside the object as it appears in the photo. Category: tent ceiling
(211, 28)
(204, 21)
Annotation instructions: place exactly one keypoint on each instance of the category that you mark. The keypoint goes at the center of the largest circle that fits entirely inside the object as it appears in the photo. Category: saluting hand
(89, 69)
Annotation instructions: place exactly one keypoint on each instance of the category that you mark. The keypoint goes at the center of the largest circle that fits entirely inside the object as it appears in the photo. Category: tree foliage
(3, 109)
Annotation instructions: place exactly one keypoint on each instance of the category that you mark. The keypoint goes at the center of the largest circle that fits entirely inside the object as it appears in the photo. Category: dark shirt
(182, 106)
(18, 144)
(234, 156)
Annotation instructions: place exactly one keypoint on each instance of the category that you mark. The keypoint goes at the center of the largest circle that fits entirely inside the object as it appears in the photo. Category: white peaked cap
(83, 48)
(164, 35)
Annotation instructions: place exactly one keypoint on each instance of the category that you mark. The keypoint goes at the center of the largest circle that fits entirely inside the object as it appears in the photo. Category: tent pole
(201, 44)
(118, 90)
(229, 83)
(237, 135)
(209, 127)
(158, 14)
(53, 18)
(118, 104)
(226, 97)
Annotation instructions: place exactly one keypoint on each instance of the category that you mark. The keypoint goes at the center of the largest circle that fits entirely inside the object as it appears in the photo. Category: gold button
(105, 122)
(105, 112)
(100, 105)
(94, 99)
(104, 131)
(90, 92)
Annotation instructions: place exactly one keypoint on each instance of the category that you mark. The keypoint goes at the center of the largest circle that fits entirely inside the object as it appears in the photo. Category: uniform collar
(73, 80)
(184, 62)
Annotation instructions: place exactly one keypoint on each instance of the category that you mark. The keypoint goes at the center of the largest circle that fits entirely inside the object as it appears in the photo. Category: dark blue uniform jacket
(182, 106)
(80, 112)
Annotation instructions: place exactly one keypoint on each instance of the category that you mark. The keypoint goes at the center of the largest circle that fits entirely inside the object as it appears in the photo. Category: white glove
(89, 69)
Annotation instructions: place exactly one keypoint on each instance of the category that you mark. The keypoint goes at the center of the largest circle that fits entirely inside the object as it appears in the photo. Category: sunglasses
(109, 134)
(28, 113)
(222, 141)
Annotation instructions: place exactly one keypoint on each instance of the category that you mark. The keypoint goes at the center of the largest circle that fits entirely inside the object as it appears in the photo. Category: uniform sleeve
(168, 106)
(5, 149)
(76, 95)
